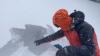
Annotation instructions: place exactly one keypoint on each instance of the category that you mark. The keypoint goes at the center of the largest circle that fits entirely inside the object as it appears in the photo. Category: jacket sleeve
(87, 39)
(52, 37)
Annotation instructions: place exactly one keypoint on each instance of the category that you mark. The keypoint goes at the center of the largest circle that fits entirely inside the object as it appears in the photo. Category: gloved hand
(37, 42)
(58, 46)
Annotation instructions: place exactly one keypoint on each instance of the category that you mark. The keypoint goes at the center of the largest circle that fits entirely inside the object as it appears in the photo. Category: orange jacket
(96, 45)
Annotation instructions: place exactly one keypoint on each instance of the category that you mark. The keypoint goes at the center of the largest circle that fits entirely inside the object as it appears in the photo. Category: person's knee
(61, 52)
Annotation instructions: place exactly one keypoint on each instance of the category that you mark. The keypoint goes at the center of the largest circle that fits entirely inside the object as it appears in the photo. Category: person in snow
(80, 34)
(86, 33)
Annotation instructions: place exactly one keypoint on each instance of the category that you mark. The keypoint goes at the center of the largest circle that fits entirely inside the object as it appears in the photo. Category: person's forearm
(53, 37)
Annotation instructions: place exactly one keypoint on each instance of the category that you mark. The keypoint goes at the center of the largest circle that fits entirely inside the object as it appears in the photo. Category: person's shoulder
(87, 25)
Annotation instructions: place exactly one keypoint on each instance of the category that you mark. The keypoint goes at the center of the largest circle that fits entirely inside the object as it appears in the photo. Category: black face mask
(77, 20)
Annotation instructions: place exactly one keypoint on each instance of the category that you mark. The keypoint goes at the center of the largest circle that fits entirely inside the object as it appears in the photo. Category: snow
(17, 13)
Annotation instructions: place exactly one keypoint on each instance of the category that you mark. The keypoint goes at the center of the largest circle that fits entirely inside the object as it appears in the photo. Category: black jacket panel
(86, 33)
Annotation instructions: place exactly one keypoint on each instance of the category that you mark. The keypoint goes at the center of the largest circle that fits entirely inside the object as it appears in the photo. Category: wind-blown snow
(17, 13)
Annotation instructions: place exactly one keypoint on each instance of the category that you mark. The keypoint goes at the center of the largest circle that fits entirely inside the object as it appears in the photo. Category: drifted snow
(18, 13)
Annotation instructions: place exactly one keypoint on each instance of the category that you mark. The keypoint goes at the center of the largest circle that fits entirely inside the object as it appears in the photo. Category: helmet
(62, 19)
(77, 16)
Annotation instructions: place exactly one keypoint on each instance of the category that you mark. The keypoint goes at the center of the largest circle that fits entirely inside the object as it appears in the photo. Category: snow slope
(17, 13)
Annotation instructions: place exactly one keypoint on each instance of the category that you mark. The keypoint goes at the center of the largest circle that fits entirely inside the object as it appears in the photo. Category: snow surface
(17, 13)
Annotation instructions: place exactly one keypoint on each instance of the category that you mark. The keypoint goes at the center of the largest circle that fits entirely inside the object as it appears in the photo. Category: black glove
(38, 42)
(58, 46)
